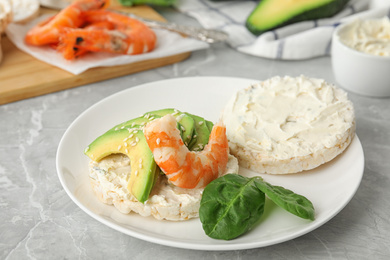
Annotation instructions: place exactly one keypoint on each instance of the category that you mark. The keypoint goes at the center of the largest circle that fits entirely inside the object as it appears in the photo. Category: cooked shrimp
(48, 31)
(184, 168)
(77, 52)
(129, 36)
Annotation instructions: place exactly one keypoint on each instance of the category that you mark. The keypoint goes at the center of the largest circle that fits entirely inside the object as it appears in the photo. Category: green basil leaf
(287, 199)
(230, 206)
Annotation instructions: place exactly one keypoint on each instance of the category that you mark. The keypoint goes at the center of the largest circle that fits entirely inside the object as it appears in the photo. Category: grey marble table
(39, 220)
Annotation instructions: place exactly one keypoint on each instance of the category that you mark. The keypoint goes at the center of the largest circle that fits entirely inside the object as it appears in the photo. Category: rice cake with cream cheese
(288, 124)
(109, 178)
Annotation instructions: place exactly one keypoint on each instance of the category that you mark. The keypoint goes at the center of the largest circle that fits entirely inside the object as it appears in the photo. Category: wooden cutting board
(22, 76)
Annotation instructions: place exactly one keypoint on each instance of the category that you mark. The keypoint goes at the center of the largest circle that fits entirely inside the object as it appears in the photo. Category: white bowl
(359, 72)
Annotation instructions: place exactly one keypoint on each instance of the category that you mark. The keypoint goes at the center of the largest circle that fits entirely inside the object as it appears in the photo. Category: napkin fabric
(298, 41)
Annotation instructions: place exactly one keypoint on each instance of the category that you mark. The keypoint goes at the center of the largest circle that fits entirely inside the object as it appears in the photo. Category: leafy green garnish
(231, 205)
(288, 200)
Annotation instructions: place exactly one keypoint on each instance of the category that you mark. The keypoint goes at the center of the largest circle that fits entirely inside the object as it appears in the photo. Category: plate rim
(229, 245)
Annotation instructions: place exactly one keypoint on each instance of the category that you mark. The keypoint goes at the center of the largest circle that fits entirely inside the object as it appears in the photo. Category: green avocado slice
(201, 138)
(187, 124)
(131, 142)
(272, 14)
(209, 125)
(135, 122)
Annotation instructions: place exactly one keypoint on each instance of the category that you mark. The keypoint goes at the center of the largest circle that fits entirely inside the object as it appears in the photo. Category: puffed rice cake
(287, 125)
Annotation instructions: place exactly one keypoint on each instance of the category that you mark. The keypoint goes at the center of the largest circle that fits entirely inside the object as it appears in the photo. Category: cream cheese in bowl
(361, 56)
(25, 10)
(368, 36)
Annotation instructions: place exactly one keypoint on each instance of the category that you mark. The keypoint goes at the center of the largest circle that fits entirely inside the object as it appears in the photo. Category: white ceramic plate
(330, 187)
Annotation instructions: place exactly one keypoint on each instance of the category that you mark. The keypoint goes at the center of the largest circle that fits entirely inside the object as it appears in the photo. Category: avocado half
(272, 14)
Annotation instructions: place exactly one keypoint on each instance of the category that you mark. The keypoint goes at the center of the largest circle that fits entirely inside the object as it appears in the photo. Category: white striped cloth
(298, 41)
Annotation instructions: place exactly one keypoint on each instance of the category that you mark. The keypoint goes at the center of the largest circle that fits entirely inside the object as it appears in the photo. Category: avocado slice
(209, 125)
(131, 142)
(141, 121)
(187, 124)
(201, 138)
(135, 122)
(272, 14)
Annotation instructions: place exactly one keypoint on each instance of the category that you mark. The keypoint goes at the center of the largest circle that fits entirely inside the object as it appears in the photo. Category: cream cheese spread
(109, 179)
(24, 10)
(284, 119)
(370, 36)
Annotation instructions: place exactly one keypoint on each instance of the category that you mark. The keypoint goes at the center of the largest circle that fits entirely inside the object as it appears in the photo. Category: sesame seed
(119, 147)
(182, 128)
(125, 140)
(201, 123)
(125, 144)
(195, 136)
(136, 173)
(140, 166)
(86, 149)
(135, 131)
(133, 144)
(127, 151)
(130, 136)
(137, 139)
(158, 140)
(133, 124)
(129, 129)
(116, 128)
(122, 127)
(152, 118)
